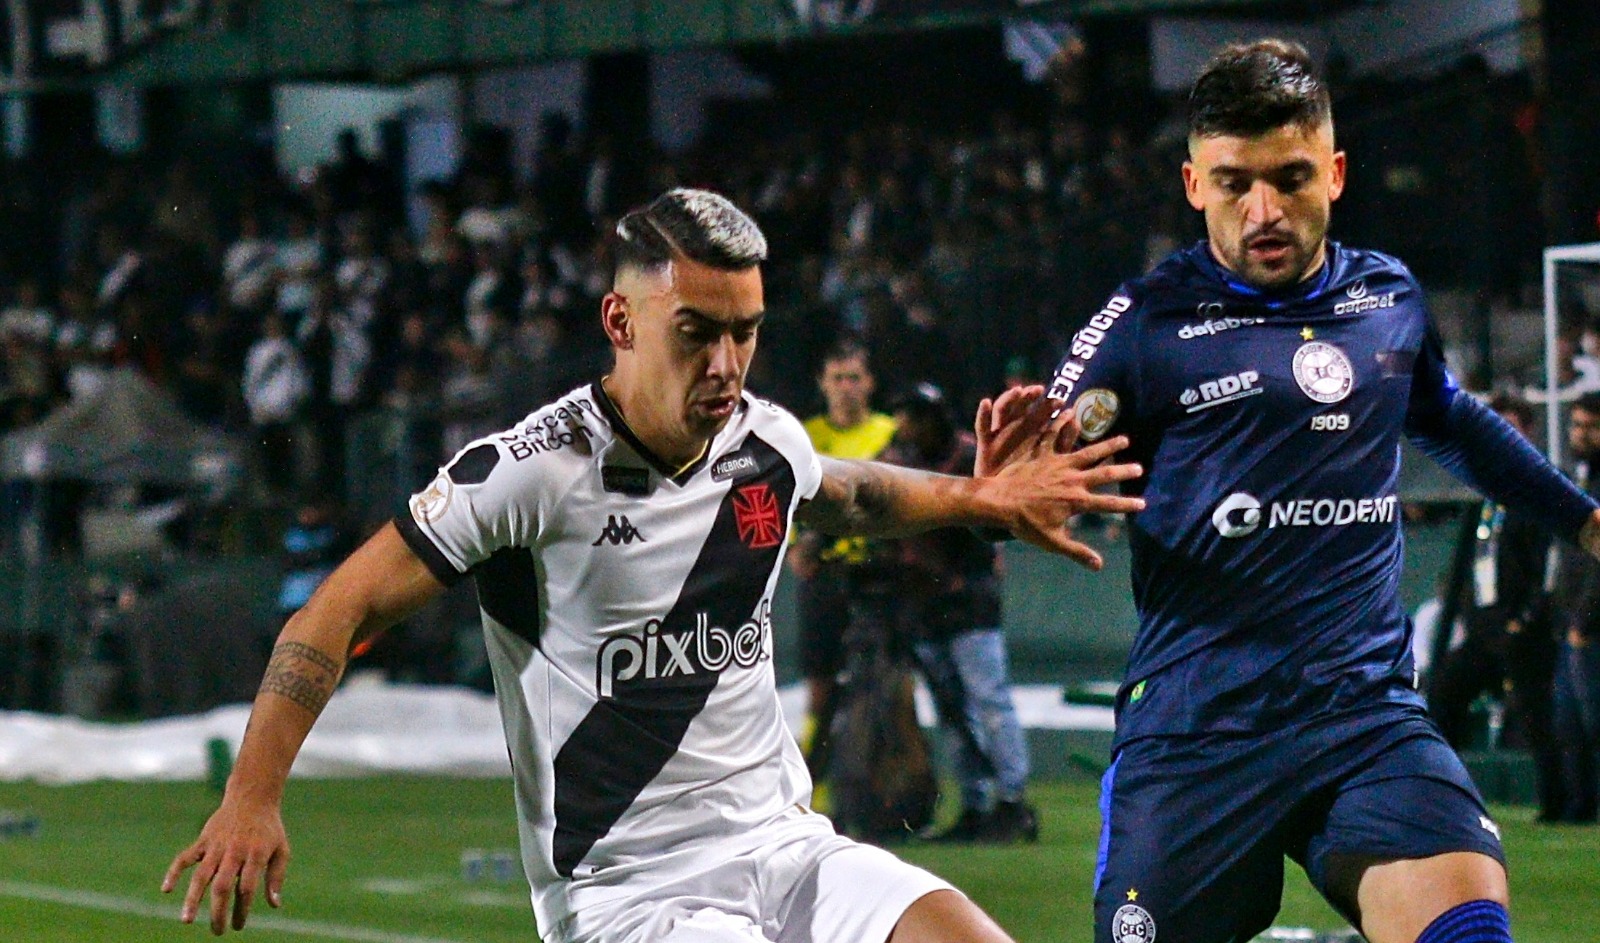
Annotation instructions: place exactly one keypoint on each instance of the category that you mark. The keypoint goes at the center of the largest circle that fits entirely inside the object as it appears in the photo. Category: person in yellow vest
(829, 569)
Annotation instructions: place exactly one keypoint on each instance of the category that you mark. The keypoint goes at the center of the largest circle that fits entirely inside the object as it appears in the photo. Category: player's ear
(1191, 186)
(1336, 175)
(616, 320)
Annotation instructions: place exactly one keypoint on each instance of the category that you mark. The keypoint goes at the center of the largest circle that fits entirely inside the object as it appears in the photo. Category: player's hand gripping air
(243, 847)
(255, 847)
(1022, 426)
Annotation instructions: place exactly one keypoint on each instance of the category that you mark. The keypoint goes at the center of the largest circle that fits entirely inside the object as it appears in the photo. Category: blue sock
(1477, 921)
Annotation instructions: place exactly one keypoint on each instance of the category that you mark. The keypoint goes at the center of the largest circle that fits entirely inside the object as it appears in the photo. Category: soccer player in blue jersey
(1265, 377)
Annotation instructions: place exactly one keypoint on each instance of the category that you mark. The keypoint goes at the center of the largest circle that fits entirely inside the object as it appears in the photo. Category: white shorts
(802, 883)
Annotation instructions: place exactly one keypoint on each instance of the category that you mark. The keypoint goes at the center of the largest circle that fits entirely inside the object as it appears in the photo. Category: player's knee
(1477, 921)
(1458, 897)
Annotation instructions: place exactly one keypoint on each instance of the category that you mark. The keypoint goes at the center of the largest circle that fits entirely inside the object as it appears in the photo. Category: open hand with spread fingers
(1026, 434)
(1021, 423)
(1044, 489)
(238, 850)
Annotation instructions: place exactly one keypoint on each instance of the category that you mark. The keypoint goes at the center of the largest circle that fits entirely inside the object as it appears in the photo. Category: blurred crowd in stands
(357, 328)
(298, 309)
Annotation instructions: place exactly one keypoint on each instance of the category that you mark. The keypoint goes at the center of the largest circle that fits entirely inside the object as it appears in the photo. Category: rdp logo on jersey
(654, 656)
(1221, 390)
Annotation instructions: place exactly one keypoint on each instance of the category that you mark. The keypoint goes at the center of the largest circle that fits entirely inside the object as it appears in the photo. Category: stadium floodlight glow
(1589, 254)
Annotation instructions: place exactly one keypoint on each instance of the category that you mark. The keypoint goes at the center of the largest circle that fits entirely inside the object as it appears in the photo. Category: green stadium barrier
(1065, 624)
(1507, 777)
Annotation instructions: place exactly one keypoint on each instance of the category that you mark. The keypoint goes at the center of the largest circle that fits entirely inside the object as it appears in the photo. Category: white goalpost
(1555, 256)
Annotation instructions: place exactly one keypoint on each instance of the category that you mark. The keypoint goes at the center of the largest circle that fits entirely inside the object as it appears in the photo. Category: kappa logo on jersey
(1213, 322)
(618, 530)
(656, 656)
(1221, 390)
(1133, 924)
(1239, 514)
(1361, 300)
(756, 513)
(1084, 344)
(1323, 372)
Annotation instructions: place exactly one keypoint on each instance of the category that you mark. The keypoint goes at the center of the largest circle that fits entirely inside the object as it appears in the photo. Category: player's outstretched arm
(244, 840)
(1032, 497)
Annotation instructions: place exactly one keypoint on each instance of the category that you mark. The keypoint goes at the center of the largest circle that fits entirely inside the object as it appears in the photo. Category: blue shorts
(1195, 828)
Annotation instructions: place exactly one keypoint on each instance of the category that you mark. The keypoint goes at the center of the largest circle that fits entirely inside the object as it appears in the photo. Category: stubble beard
(1297, 267)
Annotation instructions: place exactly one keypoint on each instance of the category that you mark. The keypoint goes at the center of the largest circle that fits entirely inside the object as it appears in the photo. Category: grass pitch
(379, 860)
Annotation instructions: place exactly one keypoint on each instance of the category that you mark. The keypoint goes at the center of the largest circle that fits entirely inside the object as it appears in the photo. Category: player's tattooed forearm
(316, 656)
(302, 674)
(860, 498)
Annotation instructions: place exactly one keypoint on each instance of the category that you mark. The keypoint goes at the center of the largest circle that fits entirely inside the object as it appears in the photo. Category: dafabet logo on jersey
(1363, 300)
(1213, 322)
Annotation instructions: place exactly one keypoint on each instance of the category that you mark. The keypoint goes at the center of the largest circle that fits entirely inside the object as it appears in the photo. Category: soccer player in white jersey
(625, 541)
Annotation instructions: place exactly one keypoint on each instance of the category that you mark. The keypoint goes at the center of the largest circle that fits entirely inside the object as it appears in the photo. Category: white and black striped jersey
(627, 614)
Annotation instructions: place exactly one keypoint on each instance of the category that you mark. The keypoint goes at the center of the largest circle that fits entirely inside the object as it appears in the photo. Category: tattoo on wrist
(302, 674)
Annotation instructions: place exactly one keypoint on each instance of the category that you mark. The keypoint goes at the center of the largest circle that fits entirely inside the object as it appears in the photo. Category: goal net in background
(1571, 274)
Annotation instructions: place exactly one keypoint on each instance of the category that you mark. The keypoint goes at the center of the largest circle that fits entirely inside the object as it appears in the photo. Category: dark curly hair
(1248, 89)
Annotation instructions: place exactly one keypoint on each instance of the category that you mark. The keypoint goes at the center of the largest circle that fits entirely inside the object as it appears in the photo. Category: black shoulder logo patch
(624, 479)
(474, 465)
(743, 462)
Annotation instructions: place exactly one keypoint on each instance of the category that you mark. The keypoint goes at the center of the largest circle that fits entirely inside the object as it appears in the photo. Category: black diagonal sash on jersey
(508, 591)
(625, 741)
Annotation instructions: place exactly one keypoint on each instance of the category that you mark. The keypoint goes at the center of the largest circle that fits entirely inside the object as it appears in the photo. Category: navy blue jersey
(1266, 563)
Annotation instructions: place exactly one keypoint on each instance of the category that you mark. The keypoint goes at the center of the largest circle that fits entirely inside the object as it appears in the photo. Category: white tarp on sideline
(369, 727)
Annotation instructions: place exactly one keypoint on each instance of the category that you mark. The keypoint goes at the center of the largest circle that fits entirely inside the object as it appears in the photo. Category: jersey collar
(625, 432)
(1301, 291)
